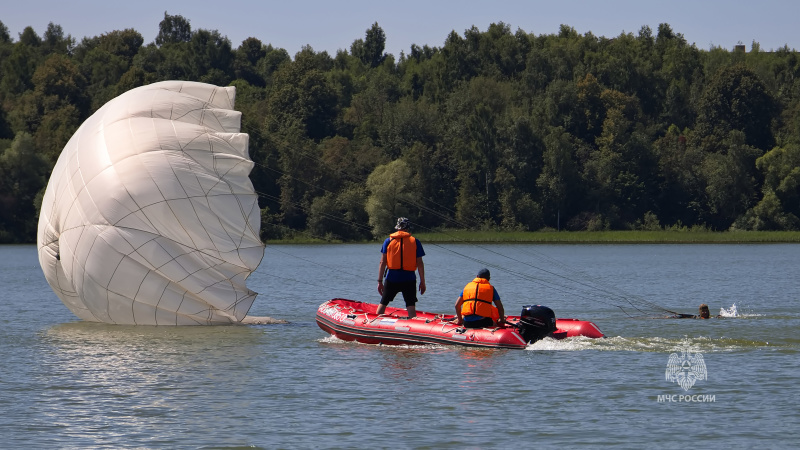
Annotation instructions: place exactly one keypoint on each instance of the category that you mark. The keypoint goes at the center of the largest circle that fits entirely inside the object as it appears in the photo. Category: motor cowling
(536, 322)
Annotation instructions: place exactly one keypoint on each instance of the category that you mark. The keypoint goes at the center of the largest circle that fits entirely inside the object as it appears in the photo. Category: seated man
(474, 306)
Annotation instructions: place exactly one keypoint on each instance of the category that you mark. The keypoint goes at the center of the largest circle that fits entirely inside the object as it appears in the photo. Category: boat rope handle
(376, 317)
(448, 323)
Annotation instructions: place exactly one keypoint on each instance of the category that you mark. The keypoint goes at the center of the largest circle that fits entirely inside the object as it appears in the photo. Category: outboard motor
(536, 322)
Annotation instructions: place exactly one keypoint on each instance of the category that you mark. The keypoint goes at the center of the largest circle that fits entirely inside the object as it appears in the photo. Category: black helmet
(484, 273)
(402, 223)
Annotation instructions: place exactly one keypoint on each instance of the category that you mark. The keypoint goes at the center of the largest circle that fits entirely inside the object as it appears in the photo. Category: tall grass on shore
(586, 237)
(614, 237)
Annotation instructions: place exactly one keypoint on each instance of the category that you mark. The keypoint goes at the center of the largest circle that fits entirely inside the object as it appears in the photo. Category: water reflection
(479, 365)
(479, 354)
(404, 364)
(96, 343)
(135, 379)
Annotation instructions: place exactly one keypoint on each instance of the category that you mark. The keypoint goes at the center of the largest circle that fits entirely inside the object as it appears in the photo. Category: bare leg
(381, 309)
(412, 311)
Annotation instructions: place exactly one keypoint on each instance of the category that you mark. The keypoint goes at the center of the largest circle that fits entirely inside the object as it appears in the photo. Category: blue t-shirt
(397, 275)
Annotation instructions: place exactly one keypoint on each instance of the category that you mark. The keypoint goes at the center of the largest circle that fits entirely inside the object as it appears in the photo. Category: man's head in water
(704, 313)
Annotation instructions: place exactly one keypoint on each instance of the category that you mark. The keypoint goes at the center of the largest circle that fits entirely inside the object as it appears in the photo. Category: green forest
(495, 130)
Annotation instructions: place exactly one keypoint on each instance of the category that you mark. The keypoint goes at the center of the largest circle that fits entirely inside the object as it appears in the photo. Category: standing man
(402, 255)
(474, 306)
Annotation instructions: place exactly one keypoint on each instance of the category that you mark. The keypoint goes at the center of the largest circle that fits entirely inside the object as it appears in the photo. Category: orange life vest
(401, 253)
(478, 296)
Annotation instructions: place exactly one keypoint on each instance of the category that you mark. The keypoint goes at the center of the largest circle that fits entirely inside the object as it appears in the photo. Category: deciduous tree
(390, 195)
(173, 29)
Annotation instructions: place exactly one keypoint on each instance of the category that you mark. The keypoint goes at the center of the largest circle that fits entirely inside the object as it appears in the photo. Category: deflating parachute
(149, 216)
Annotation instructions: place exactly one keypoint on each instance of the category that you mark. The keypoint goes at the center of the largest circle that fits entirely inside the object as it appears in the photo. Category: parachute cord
(310, 261)
(613, 295)
(326, 215)
(547, 283)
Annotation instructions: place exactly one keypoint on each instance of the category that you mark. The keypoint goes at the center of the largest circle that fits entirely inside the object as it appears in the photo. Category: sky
(331, 25)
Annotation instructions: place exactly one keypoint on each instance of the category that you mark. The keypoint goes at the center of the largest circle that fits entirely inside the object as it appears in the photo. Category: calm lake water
(71, 384)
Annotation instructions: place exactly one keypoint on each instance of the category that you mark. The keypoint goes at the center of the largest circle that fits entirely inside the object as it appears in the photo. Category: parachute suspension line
(559, 287)
(590, 286)
(595, 285)
(306, 209)
(612, 292)
(614, 296)
(437, 211)
(277, 294)
(299, 205)
(433, 211)
(338, 270)
(613, 289)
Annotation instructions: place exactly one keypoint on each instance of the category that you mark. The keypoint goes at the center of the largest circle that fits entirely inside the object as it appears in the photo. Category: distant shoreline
(589, 237)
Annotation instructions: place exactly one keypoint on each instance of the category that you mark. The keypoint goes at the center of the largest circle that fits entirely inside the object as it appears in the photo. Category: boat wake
(612, 344)
(335, 340)
(646, 344)
(561, 345)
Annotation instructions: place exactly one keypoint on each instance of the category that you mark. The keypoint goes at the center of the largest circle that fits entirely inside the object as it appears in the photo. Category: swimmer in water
(704, 313)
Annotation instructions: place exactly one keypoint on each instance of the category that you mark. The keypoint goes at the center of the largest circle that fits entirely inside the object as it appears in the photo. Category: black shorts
(408, 288)
(486, 322)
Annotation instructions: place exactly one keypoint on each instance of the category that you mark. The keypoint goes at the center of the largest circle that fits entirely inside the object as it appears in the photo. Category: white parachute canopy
(149, 217)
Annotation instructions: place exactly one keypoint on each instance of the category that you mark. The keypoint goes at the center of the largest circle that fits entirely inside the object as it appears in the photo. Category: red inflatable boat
(356, 321)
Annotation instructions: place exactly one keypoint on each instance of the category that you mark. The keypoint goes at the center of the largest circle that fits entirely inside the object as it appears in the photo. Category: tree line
(494, 130)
